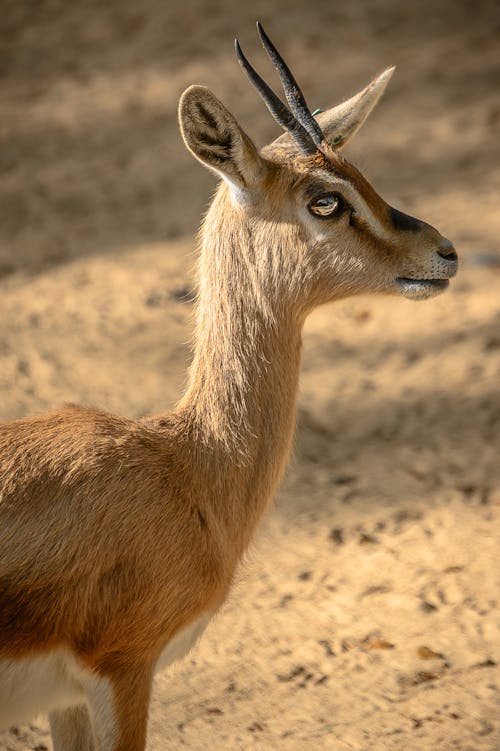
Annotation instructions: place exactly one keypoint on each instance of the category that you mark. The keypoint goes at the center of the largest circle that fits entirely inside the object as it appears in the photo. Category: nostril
(447, 251)
(449, 255)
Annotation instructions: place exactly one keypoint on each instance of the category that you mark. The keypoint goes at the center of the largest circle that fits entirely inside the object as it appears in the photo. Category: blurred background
(366, 615)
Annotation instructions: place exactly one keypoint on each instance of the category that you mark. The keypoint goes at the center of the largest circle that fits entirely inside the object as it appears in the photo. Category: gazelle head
(319, 231)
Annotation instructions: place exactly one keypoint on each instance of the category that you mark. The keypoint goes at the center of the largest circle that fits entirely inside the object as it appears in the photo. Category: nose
(447, 250)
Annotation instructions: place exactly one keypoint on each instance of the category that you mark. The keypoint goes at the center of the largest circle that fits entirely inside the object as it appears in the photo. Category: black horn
(294, 95)
(297, 120)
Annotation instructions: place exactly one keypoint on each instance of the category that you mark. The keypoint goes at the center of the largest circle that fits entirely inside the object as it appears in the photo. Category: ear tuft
(213, 135)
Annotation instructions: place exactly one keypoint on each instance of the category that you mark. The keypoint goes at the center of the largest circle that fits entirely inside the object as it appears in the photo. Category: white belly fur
(182, 643)
(40, 684)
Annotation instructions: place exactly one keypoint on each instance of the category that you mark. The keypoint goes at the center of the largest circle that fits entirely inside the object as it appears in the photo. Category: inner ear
(214, 136)
(215, 139)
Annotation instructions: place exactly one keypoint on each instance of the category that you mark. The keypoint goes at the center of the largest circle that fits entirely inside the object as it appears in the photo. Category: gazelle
(118, 538)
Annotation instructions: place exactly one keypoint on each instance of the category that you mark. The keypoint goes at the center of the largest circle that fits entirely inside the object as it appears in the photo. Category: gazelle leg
(118, 708)
(71, 729)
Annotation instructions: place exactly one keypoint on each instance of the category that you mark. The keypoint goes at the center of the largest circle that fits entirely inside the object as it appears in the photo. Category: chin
(420, 289)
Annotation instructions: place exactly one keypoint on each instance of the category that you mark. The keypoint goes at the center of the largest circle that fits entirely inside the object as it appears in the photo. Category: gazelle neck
(241, 399)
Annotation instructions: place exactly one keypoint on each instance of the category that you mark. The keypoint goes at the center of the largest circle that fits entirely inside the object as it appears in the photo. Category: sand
(365, 616)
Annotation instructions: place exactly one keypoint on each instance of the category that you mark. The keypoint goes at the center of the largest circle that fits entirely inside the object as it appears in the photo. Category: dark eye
(326, 205)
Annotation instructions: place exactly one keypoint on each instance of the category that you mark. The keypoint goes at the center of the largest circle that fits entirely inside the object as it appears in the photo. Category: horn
(294, 95)
(298, 122)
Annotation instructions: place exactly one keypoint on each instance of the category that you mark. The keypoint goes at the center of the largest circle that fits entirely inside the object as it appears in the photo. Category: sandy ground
(366, 614)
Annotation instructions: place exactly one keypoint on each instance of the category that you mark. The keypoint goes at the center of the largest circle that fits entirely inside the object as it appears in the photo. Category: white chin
(420, 289)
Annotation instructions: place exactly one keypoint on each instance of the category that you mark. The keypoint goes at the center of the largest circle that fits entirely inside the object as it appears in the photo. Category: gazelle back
(119, 539)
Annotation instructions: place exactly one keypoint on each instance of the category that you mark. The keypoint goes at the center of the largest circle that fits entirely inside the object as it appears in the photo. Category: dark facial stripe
(384, 214)
(402, 221)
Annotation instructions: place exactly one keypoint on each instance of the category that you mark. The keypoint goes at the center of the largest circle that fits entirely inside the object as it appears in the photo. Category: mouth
(420, 289)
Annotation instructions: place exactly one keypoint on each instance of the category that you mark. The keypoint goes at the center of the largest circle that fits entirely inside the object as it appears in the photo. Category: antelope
(119, 538)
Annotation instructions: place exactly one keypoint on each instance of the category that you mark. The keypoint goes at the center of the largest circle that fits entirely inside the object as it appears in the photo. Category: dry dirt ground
(366, 615)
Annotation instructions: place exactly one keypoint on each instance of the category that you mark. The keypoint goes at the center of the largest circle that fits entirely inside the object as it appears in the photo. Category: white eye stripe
(356, 200)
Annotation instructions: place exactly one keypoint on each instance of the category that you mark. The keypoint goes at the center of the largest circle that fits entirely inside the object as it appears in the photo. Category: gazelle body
(118, 538)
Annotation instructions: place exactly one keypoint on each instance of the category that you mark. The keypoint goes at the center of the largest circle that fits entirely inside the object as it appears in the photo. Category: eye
(326, 205)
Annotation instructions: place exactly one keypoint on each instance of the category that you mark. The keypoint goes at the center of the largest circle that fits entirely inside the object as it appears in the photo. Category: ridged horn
(297, 120)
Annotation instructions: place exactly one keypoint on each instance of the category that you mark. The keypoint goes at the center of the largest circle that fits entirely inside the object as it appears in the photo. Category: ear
(212, 134)
(340, 123)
